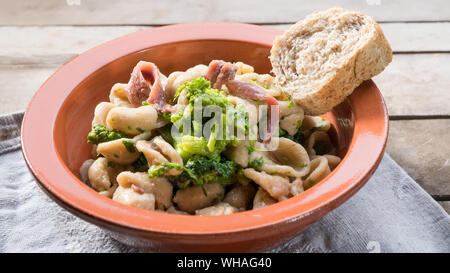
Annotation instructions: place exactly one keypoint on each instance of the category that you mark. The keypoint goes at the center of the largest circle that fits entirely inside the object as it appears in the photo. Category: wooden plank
(445, 205)
(422, 148)
(90, 12)
(31, 41)
(412, 37)
(416, 84)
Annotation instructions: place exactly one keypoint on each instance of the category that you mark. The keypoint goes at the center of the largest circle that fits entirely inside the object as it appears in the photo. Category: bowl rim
(363, 156)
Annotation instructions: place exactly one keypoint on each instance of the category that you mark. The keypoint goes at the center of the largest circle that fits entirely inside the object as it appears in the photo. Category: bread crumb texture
(320, 60)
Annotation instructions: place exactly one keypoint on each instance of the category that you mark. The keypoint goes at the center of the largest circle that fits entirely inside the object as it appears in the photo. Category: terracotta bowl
(58, 119)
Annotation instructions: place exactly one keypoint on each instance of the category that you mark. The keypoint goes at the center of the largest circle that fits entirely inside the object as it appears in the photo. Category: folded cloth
(391, 213)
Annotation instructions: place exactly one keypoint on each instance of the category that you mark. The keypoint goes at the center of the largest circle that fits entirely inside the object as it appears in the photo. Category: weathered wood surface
(90, 12)
(31, 41)
(422, 148)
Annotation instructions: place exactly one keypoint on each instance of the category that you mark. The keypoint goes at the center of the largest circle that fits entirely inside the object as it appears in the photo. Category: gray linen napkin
(391, 213)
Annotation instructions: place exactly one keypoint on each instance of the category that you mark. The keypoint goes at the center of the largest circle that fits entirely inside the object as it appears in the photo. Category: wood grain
(445, 205)
(51, 40)
(90, 12)
(422, 148)
(417, 84)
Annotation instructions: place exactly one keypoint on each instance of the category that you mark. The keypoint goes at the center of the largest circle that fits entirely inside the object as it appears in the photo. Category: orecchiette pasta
(100, 113)
(159, 186)
(221, 208)
(240, 196)
(101, 177)
(264, 80)
(118, 95)
(131, 197)
(290, 159)
(319, 143)
(319, 169)
(195, 197)
(333, 161)
(262, 199)
(120, 151)
(158, 151)
(133, 120)
(137, 161)
(177, 79)
(277, 186)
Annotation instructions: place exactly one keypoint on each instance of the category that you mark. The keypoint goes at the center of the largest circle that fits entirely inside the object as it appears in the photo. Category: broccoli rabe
(298, 137)
(198, 170)
(141, 164)
(199, 92)
(100, 134)
(256, 163)
(161, 169)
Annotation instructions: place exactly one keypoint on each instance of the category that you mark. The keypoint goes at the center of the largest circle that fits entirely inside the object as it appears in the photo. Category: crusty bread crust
(366, 61)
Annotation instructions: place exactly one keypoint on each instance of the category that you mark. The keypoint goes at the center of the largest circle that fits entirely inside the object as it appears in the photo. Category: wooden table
(39, 36)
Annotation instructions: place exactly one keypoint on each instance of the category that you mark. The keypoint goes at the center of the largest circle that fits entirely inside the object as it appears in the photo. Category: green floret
(100, 134)
(199, 92)
(161, 169)
(198, 170)
(298, 137)
(256, 163)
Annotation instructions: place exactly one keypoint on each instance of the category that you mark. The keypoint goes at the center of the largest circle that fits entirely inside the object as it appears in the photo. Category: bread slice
(320, 60)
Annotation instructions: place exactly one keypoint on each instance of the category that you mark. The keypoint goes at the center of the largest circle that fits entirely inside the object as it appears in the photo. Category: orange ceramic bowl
(58, 119)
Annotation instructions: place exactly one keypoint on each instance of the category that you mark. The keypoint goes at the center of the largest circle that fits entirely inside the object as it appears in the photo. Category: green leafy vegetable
(199, 170)
(256, 163)
(129, 145)
(140, 165)
(199, 92)
(100, 134)
(161, 169)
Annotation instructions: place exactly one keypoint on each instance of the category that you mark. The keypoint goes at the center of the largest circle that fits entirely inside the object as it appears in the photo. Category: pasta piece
(84, 169)
(101, 111)
(118, 95)
(290, 159)
(277, 186)
(291, 117)
(109, 192)
(288, 108)
(158, 151)
(319, 143)
(129, 196)
(291, 123)
(133, 120)
(193, 198)
(333, 161)
(240, 196)
(173, 210)
(265, 81)
(312, 123)
(319, 170)
(177, 79)
(158, 186)
(221, 208)
(243, 68)
(296, 187)
(239, 154)
(262, 199)
(143, 136)
(101, 177)
(121, 151)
